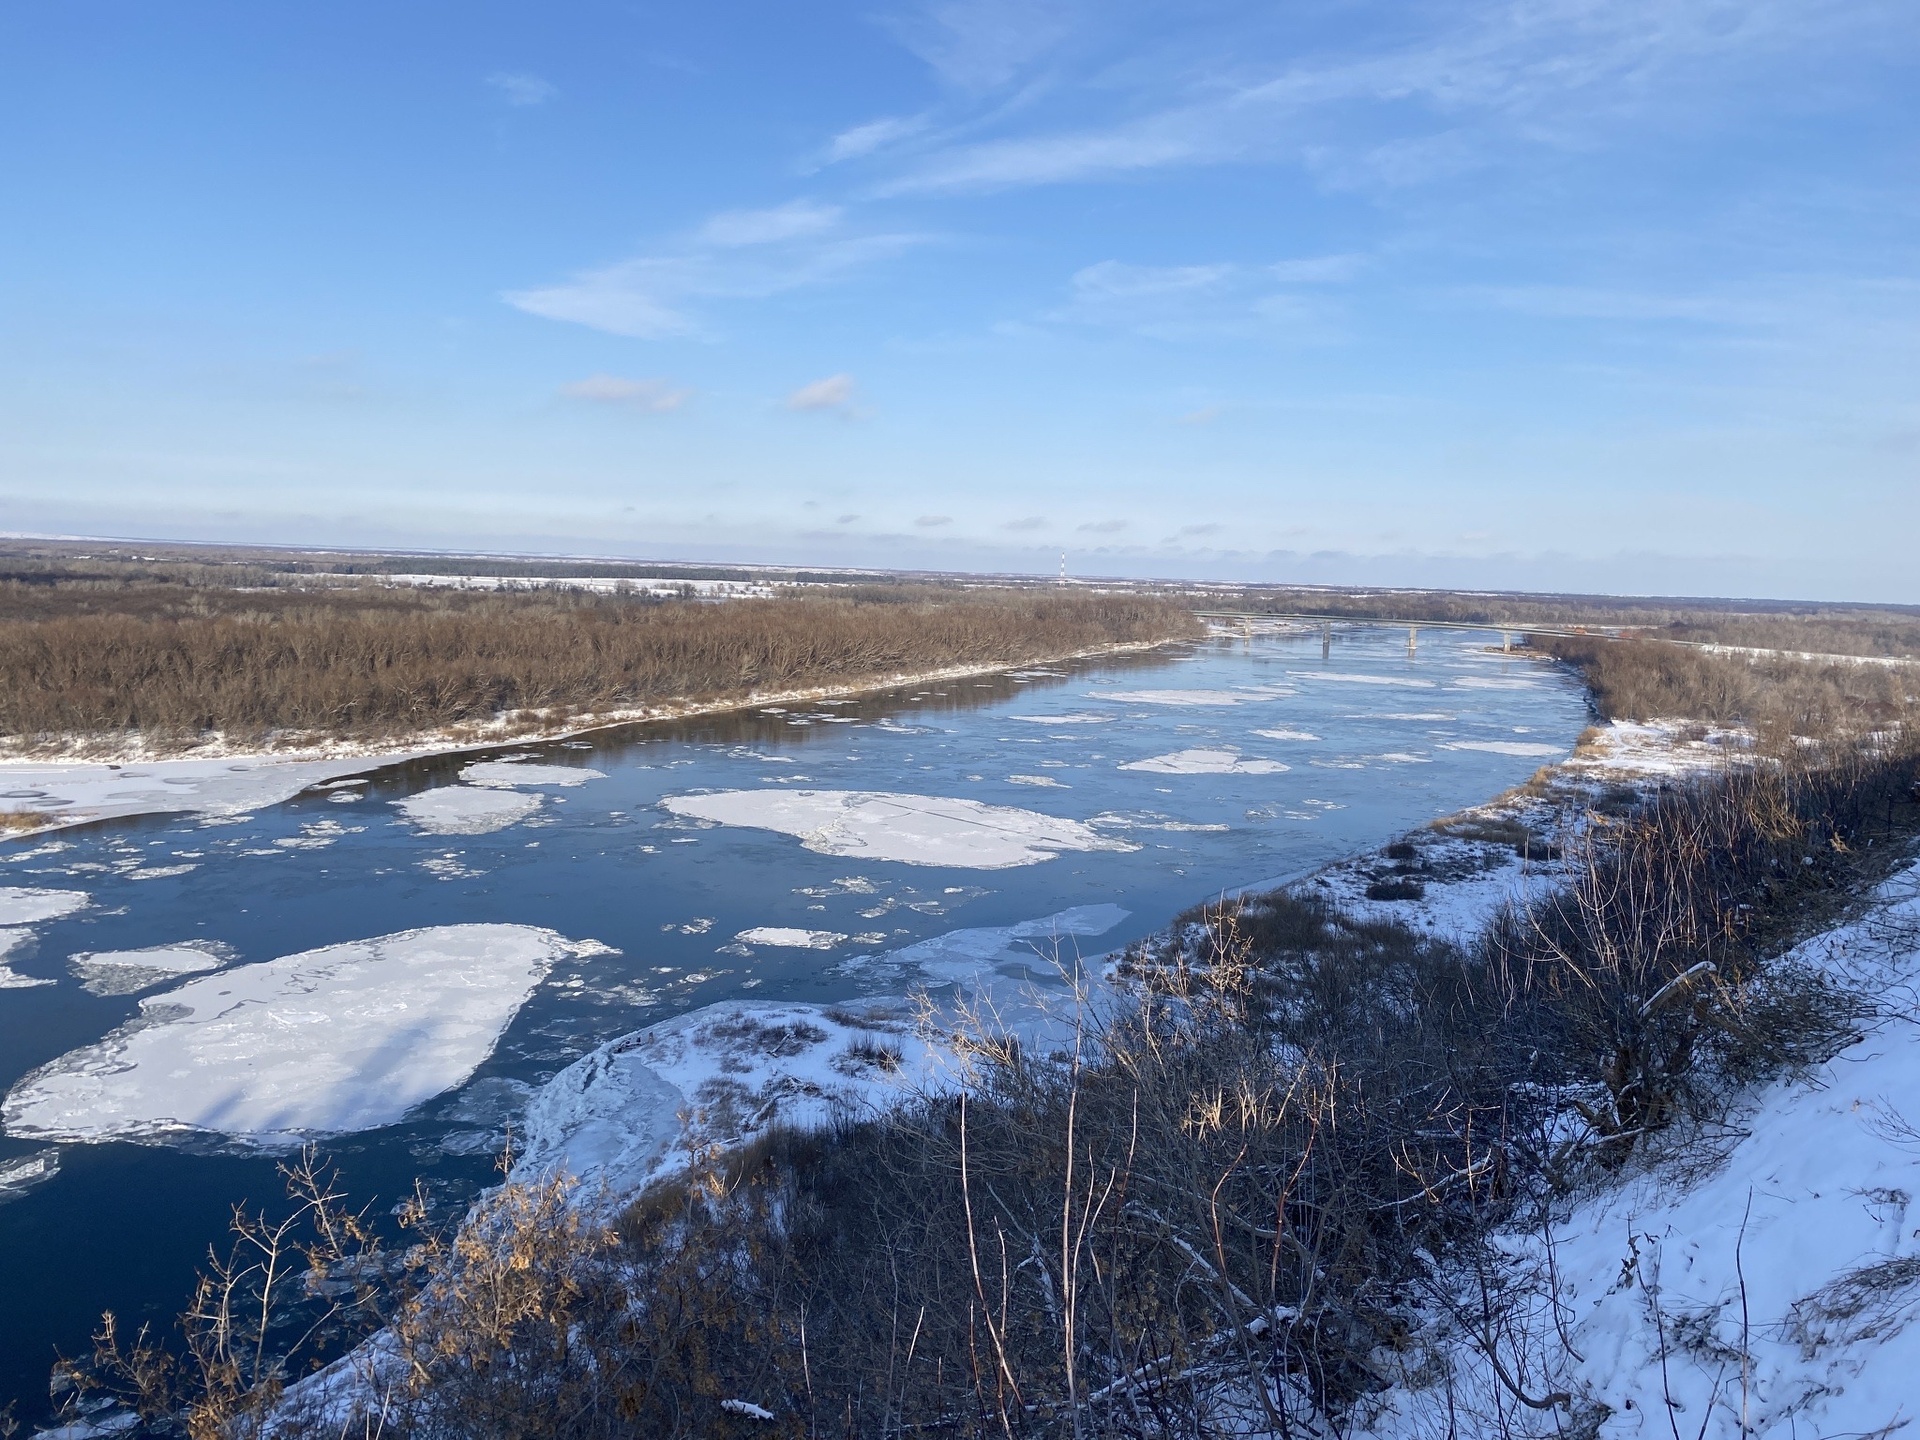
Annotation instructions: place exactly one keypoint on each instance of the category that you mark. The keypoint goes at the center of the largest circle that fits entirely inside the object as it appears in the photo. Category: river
(777, 854)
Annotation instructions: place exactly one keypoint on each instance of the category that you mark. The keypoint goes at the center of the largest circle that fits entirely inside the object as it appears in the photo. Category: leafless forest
(174, 661)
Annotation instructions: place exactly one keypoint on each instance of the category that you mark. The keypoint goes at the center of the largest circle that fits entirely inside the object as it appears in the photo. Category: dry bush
(377, 663)
(1777, 699)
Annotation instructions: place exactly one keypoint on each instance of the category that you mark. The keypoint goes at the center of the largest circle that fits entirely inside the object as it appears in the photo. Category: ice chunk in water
(914, 829)
(325, 1042)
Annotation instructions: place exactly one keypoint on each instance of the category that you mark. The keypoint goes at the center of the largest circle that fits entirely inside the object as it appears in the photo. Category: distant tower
(1063, 567)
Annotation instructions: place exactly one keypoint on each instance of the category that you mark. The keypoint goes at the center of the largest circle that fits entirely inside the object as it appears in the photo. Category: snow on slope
(1777, 1292)
(326, 1042)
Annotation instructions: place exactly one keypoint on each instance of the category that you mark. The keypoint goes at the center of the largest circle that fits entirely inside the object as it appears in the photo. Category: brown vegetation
(173, 662)
(1778, 698)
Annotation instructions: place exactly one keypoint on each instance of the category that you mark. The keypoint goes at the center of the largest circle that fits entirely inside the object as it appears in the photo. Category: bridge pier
(1413, 640)
(1326, 638)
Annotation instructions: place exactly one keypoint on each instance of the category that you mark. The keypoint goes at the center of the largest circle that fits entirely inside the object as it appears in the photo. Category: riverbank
(42, 794)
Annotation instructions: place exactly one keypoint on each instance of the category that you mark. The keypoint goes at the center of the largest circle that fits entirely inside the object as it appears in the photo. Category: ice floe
(1505, 747)
(1206, 762)
(24, 905)
(325, 1042)
(1286, 735)
(1409, 681)
(20, 1173)
(509, 773)
(912, 829)
(642, 1105)
(1183, 697)
(1044, 781)
(122, 972)
(962, 956)
(27, 905)
(82, 791)
(781, 936)
(1075, 719)
(466, 810)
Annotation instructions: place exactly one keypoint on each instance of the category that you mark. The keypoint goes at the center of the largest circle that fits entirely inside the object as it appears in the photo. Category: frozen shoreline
(79, 789)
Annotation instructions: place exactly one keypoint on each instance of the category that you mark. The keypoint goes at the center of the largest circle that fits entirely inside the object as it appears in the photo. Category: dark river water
(1357, 746)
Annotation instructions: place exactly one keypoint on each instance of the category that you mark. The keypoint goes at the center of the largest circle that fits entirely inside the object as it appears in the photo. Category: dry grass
(172, 662)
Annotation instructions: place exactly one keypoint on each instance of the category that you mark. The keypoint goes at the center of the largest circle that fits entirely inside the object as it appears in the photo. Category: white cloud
(1188, 302)
(736, 255)
(981, 44)
(1568, 74)
(792, 221)
(521, 89)
(637, 298)
(835, 392)
(651, 397)
(859, 140)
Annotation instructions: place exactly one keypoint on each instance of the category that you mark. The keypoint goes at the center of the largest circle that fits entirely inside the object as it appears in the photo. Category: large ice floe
(326, 1042)
(912, 829)
(1206, 762)
(466, 809)
(648, 1103)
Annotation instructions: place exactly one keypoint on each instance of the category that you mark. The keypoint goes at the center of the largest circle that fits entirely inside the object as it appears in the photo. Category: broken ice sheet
(466, 810)
(122, 972)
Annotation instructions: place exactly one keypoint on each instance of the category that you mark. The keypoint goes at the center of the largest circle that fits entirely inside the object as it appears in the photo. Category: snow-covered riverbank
(83, 785)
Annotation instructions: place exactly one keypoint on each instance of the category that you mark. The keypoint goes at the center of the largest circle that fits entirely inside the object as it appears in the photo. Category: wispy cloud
(796, 220)
(735, 255)
(1026, 523)
(1102, 527)
(834, 393)
(518, 88)
(981, 44)
(861, 140)
(650, 397)
(1212, 301)
(1446, 97)
(932, 522)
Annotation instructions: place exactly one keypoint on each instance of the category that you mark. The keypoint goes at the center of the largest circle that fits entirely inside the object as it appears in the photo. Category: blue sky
(1590, 294)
